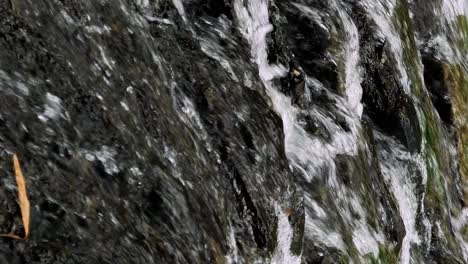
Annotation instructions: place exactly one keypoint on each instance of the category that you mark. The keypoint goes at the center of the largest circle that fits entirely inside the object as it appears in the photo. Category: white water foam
(381, 11)
(282, 252)
(454, 8)
(254, 24)
(396, 168)
(180, 9)
(233, 256)
(459, 224)
(307, 153)
(351, 58)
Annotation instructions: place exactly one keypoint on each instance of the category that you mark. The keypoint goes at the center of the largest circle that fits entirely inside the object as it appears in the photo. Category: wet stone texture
(137, 146)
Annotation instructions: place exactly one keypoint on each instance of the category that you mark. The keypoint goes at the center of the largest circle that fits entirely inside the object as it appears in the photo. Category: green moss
(341, 259)
(434, 188)
(371, 215)
(217, 256)
(386, 256)
(465, 232)
(436, 155)
(451, 242)
(336, 48)
(435, 191)
(462, 24)
(429, 122)
(457, 81)
(402, 22)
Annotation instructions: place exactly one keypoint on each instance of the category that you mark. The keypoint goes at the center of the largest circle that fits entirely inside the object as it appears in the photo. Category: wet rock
(439, 90)
(385, 100)
(178, 174)
(440, 251)
(322, 98)
(294, 83)
(212, 8)
(394, 227)
(343, 123)
(147, 136)
(313, 126)
(447, 85)
(296, 217)
(308, 42)
(277, 51)
(426, 22)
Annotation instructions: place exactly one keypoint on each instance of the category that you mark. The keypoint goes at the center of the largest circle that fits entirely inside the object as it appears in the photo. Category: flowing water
(159, 131)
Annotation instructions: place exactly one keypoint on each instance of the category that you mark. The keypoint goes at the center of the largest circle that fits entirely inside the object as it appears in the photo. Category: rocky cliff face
(158, 131)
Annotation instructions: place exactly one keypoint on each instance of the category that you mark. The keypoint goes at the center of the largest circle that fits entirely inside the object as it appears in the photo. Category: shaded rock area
(304, 40)
(439, 90)
(115, 170)
(385, 100)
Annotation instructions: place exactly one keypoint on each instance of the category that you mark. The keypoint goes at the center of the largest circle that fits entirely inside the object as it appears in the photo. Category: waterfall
(398, 169)
(351, 58)
(181, 131)
(254, 24)
(305, 153)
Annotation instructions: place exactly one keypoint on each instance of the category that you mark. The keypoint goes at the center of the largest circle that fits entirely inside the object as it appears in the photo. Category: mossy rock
(455, 78)
(386, 256)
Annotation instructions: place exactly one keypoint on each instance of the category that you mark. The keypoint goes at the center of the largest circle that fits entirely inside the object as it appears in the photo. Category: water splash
(180, 8)
(381, 12)
(351, 58)
(306, 153)
(396, 165)
(285, 233)
(454, 8)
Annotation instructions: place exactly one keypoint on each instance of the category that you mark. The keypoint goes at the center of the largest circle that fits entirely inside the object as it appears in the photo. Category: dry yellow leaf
(22, 198)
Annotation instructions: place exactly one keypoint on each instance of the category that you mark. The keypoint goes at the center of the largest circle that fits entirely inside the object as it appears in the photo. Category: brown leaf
(23, 200)
(288, 211)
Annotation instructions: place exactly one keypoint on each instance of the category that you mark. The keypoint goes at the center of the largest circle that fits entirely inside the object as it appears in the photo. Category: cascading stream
(381, 12)
(255, 29)
(305, 153)
(150, 126)
(397, 168)
(351, 58)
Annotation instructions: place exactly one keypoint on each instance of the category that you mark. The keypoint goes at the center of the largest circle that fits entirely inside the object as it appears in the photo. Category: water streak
(396, 165)
(306, 153)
